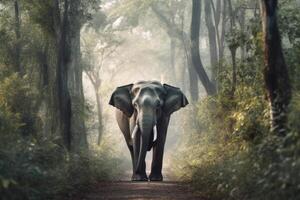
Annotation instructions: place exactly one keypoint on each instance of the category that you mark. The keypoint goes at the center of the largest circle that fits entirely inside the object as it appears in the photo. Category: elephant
(143, 115)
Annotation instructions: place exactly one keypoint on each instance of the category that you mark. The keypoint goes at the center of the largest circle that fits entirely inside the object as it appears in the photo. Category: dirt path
(124, 189)
(142, 190)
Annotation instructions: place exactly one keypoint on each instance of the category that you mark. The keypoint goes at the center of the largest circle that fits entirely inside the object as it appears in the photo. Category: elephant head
(147, 102)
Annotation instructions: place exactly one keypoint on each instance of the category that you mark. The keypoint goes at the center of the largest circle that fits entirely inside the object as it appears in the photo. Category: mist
(225, 72)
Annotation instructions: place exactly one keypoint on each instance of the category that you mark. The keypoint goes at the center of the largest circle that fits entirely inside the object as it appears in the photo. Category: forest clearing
(149, 99)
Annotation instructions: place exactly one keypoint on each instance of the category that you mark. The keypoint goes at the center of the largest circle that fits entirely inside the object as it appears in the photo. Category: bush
(232, 165)
(35, 167)
(231, 154)
(45, 170)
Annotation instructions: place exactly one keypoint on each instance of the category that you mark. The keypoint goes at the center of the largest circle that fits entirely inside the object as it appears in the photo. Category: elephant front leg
(157, 160)
(158, 150)
(138, 174)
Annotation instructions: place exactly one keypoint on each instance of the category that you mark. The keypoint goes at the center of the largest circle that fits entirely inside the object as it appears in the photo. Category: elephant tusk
(134, 131)
(154, 133)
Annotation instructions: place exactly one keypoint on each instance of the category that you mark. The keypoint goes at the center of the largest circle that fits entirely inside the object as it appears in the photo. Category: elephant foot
(138, 177)
(156, 177)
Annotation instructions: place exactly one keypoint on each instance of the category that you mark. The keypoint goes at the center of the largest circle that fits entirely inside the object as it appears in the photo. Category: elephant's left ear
(121, 99)
(174, 100)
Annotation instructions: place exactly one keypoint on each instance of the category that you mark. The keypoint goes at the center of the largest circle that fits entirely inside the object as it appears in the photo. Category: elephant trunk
(146, 124)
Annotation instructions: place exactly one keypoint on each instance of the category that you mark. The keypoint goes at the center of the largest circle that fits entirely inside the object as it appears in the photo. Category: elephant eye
(157, 104)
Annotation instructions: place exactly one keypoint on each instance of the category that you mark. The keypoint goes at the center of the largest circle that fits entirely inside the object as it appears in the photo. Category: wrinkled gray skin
(143, 115)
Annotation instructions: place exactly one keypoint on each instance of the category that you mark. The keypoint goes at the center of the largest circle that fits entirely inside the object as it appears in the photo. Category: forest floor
(143, 190)
(169, 189)
(123, 189)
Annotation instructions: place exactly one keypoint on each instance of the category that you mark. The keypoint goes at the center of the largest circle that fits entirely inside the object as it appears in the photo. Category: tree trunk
(275, 72)
(212, 39)
(172, 59)
(18, 67)
(194, 48)
(234, 71)
(242, 20)
(99, 110)
(183, 75)
(193, 78)
(222, 37)
(174, 31)
(64, 99)
(43, 60)
(75, 86)
(217, 14)
(233, 48)
(44, 85)
(194, 88)
(70, 99)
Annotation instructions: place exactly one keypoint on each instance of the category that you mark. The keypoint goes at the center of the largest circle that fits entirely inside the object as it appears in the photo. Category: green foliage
(295, 114)
(231, 153)
(289, 13)
(235, 39)
(38, 167)
(33, 166)
(41, 13)
(132, 10)
(9, 122)
(17, 97)
(42, 169)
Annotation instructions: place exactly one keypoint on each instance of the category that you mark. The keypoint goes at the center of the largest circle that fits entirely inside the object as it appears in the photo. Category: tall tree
(194, 46)
(193, 77)
(276, 71)
(212, 37)
(97, 53)
(242, 23)
(222, 32)
(233, 46)
(176, 32)
(70, 98)
(173, 12)
(18, 67)
(192, 74)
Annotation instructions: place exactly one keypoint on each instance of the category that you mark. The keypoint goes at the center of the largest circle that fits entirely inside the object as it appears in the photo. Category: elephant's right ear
(121, 99)
(174, 99)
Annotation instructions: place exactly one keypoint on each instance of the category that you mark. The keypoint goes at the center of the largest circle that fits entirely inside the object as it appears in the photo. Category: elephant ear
(121, 99)
(174, 100)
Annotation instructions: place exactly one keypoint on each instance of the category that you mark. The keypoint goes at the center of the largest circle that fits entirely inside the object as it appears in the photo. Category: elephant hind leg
(123, 123)
(131, 155)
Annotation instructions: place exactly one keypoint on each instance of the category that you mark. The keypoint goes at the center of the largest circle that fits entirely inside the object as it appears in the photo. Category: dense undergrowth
(42, 169)
(247, 163)
(230, 152)
(37, 166)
